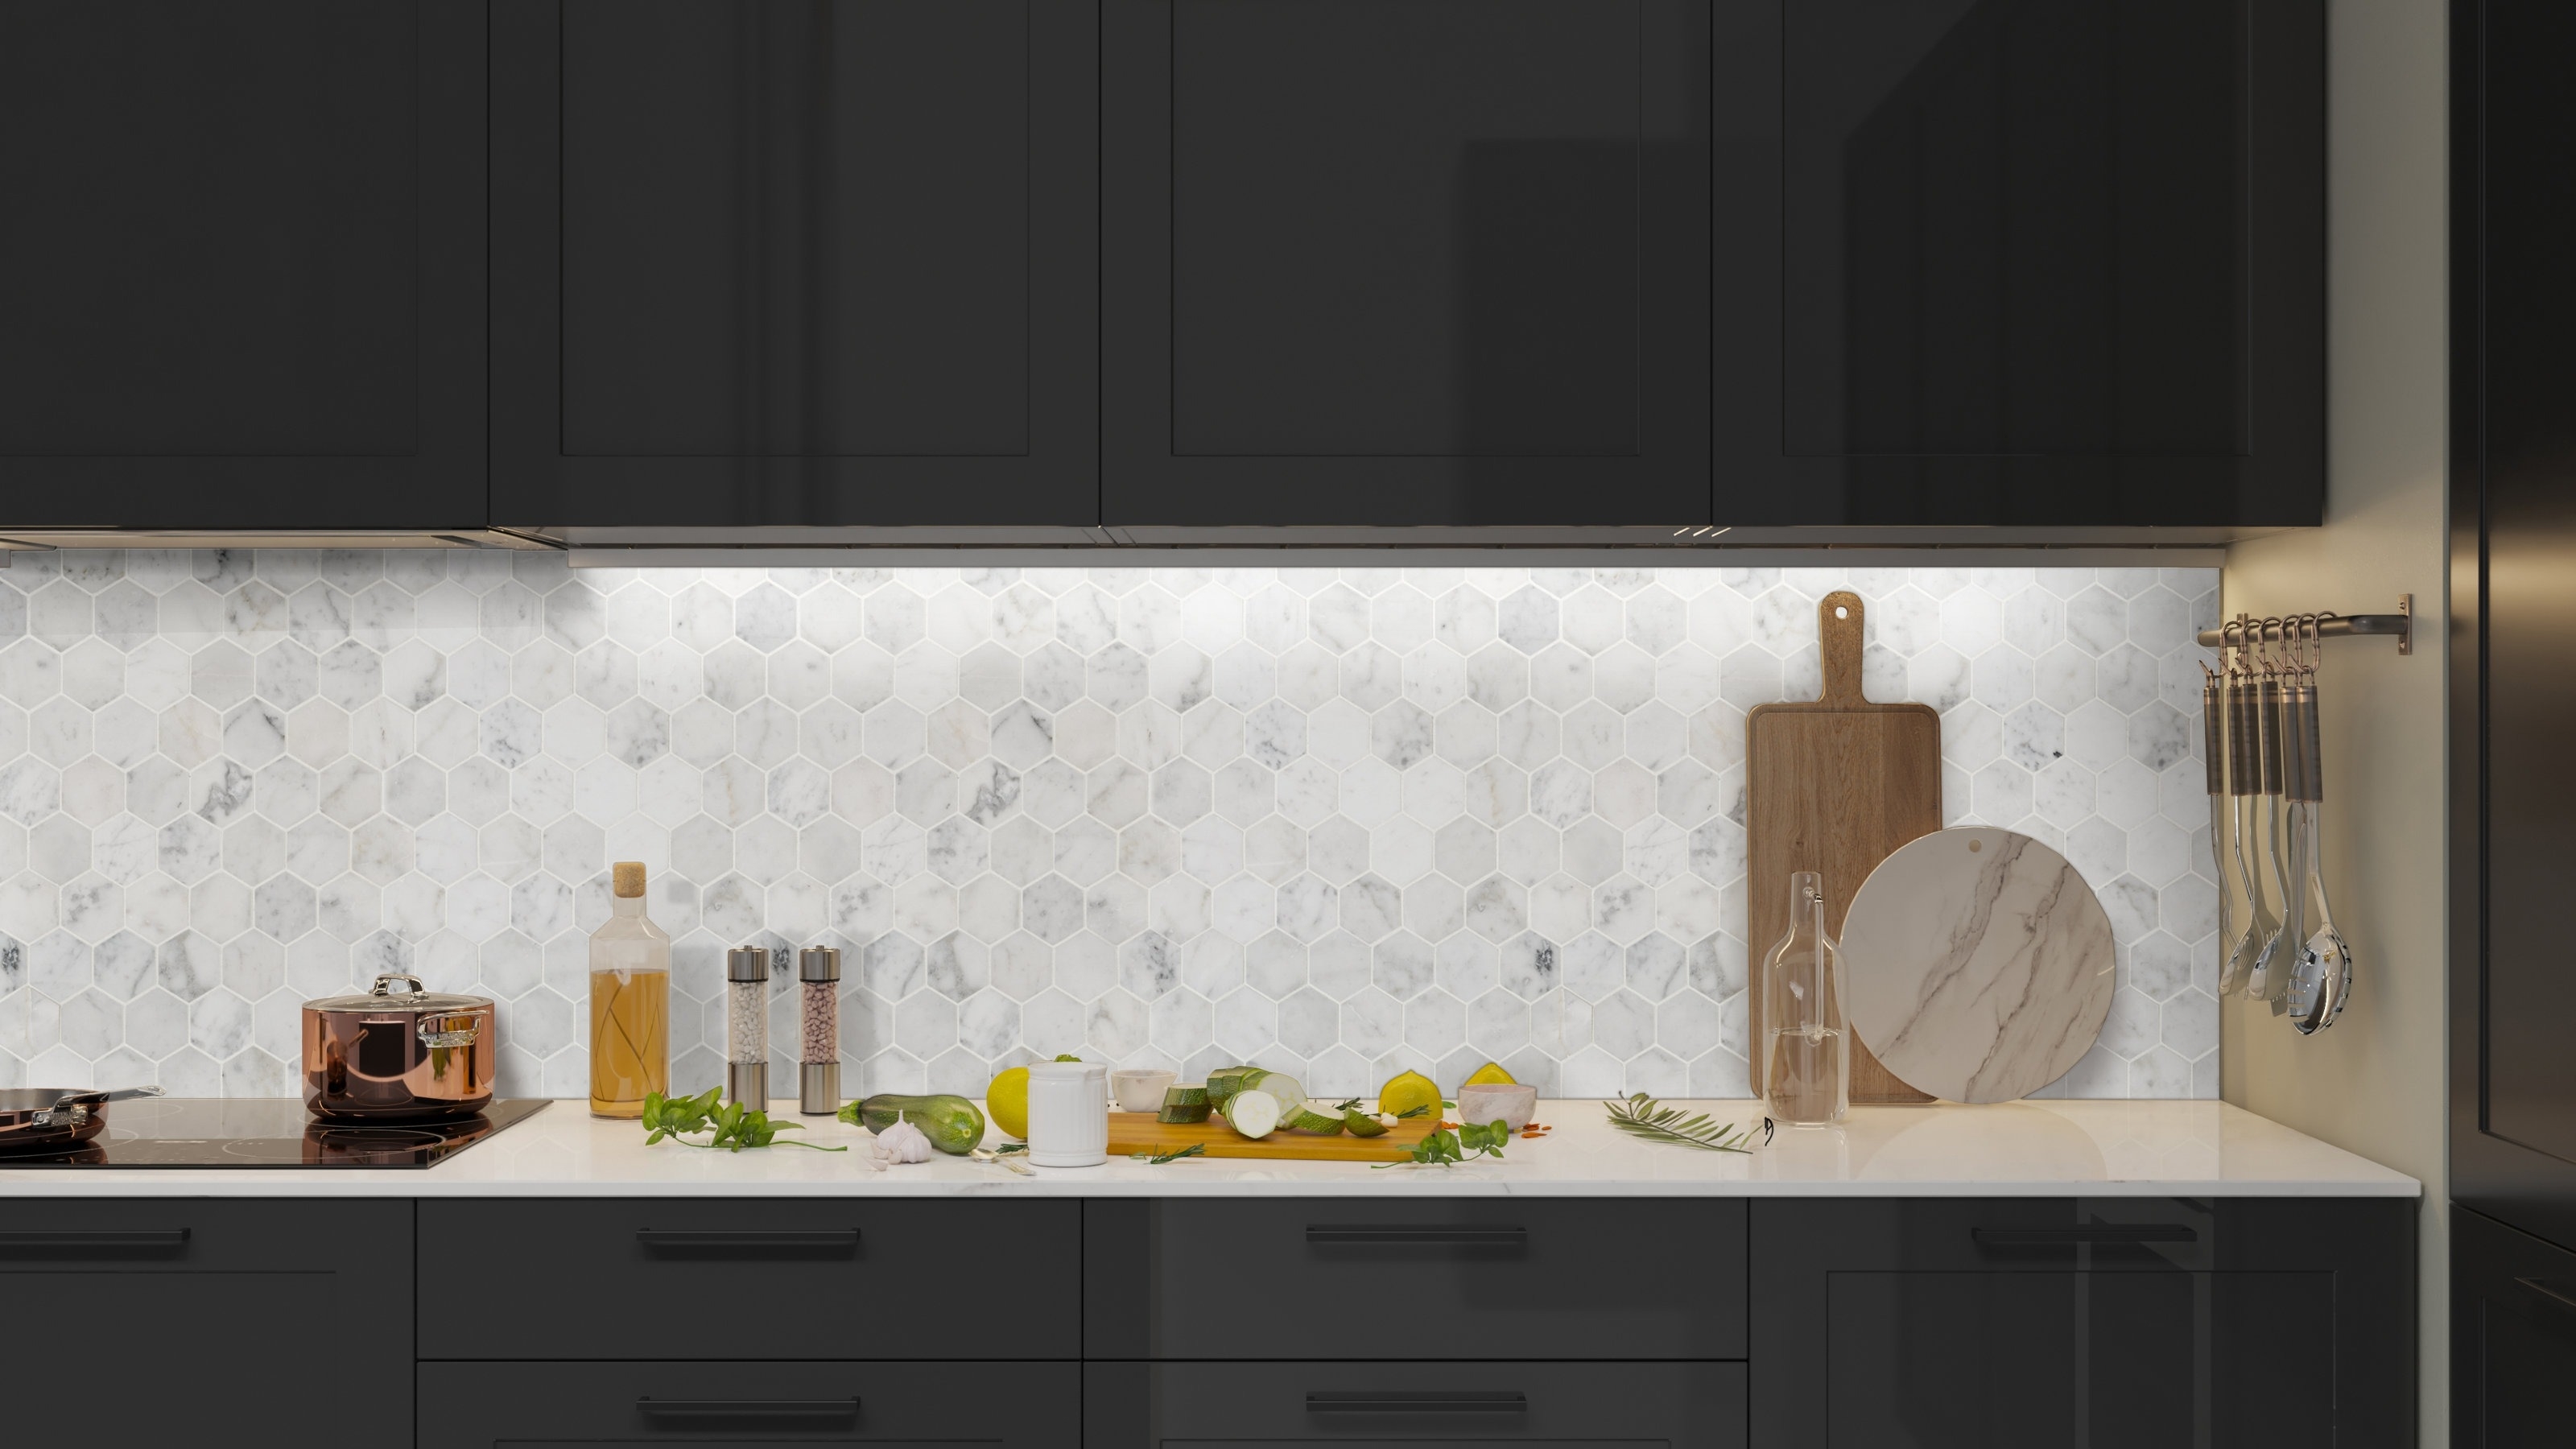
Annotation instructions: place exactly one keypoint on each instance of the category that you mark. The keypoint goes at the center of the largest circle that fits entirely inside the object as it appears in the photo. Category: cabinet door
(1454, 1405)
(241, 275)
(2513, 1336)
(1439, 262)
(828, 263)
(146, 1320)
(2109, 1322)
(617, 1405)
(2021, 262)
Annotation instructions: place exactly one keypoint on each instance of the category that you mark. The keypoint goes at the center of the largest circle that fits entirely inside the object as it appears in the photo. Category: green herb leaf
(1346, 1104)
(1413, 1112)
(1007, 1148)
(1195, 1149)
(730, 1125)
(1445, 1148)
(1642, 1116)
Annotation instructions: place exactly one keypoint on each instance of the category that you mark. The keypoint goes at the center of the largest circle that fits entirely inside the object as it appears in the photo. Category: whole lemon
(1007, 1102)
(1491, 1074)
(1406, 1091)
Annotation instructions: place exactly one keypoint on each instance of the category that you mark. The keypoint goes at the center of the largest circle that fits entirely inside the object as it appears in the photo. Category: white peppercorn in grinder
(747, 1025)
(818, 1031)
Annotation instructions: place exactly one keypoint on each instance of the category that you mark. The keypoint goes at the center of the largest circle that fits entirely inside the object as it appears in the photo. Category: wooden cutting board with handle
(1833, 786)
(1133, 1132)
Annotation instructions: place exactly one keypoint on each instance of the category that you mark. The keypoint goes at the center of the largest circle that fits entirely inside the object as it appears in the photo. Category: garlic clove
(903, 1142)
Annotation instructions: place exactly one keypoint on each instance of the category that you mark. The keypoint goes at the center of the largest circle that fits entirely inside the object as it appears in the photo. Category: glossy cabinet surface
(242, 270)
(2109, 1322)
(826, 263)
(496, 1405)
(2513, 1335)
(2020, 262)
(147, 1319)
(1149, 1406)
(1441, 262)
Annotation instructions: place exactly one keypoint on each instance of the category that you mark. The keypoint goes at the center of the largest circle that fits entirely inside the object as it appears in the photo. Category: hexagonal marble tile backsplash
(1333, 820)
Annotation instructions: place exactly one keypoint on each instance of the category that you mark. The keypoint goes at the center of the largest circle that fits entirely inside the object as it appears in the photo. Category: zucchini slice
(1252, 1112)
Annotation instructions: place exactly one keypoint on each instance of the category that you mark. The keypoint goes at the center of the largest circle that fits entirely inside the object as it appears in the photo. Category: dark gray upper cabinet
(1436, 262)
(827, 263)
(241, 271)
(2048, 263)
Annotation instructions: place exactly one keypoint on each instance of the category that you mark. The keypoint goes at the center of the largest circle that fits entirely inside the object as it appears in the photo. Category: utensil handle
(1483, 1236)
(1416, 1401)
(76, 1244)
(705, 1409)
(2213, 737)
(2244, 740)
(2268, 708)
(2311, 753)
(818, 1243)
(2090, 1234)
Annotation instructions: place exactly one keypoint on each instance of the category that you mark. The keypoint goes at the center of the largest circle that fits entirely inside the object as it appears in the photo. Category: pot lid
(383, 997)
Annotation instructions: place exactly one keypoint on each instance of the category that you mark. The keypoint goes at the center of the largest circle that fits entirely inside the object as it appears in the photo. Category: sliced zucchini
(1185, 1104)
(1277, 1084)
(1321, 1119)
(1363, 1124)
(1224, 1082)
(1252, 1112)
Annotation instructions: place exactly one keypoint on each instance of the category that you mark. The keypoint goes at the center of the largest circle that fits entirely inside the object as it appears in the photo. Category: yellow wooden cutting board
(1133, 1132)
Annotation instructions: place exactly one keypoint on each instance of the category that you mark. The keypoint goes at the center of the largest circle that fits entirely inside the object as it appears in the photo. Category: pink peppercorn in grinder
(818, 1034)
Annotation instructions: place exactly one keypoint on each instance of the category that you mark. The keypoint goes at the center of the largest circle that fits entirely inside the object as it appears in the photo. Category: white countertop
(2017, 1149)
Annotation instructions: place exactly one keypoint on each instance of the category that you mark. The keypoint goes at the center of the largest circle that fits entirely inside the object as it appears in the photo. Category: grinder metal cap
(747, 963)
(819, 963)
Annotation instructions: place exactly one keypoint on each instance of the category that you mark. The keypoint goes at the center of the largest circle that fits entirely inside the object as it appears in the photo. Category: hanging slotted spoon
(2244, 786)
(2322, 980)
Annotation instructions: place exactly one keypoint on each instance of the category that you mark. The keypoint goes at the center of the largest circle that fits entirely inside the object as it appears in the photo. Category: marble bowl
(1510, 1101)
(1140, 1089)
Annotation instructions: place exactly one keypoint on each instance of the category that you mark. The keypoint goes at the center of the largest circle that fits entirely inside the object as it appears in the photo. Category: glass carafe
(630, 1002)
(1804, 1054)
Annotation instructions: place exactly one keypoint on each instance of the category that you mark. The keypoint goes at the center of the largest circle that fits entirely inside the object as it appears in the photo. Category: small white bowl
(1140, 1089)
(1510, 1101)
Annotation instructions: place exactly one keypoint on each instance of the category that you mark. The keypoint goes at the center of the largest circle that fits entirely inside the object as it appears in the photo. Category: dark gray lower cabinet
(146, 1322)
(2513, 1335)
(2104, 1322)
(604, 1405)
(1436, 1278)
(635, 1278)
(1171, 1405)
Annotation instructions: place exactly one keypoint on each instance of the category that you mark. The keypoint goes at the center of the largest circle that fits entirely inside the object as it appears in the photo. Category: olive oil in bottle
(630, 1002)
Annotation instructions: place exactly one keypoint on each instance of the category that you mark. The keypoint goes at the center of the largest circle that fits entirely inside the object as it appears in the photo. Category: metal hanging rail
(2400, 625)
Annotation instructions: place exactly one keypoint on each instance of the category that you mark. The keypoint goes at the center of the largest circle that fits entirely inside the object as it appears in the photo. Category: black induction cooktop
(269, 1132)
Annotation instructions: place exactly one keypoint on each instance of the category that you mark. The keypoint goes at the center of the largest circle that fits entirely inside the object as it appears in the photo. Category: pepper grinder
(818, 1035)
(747, 1025)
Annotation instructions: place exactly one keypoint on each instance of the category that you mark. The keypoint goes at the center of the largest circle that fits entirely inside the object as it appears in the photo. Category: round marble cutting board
(1979, 963)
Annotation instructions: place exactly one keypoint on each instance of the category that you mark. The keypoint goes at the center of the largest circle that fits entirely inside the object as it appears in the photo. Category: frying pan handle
(1839, 617)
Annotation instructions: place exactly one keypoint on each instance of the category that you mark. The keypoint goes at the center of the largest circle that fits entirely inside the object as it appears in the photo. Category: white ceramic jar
(1068, 1114)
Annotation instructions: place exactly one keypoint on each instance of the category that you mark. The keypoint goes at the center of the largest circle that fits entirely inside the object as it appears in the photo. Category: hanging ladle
(2244, 784)
(2321, 982)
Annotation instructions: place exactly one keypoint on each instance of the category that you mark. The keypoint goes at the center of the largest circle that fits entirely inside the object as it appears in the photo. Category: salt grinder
(747, 1025)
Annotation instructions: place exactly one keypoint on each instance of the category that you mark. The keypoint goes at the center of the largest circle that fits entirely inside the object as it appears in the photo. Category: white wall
(2374, 1082)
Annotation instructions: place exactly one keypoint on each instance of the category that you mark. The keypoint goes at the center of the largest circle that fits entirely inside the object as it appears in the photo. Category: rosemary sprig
(1643, 1116)
(1195, 1149)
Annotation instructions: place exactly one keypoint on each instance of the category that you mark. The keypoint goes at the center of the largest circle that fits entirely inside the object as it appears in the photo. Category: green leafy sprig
(733, 1126)
(1444, 1148)
(1195, 1149)
(1642, 1116)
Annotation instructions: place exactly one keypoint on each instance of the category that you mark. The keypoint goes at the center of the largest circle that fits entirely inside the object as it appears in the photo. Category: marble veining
(1980, 964)
(1338, 821)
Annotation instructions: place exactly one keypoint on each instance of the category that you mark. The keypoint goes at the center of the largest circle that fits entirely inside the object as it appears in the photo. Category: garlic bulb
(903, 1142)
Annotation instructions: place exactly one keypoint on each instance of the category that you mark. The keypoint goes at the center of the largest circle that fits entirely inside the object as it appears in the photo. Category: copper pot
(398, 1056)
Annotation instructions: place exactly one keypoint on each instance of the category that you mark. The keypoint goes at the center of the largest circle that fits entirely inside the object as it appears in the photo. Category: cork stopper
(627, 878)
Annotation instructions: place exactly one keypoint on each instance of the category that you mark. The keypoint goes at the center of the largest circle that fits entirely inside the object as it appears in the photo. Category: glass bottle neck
(626, 905)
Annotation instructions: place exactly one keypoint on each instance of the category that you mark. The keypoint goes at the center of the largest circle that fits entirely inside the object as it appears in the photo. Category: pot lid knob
(384, 980)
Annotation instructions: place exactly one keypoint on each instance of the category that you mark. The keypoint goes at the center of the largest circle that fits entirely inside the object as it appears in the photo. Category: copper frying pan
(53, 1118)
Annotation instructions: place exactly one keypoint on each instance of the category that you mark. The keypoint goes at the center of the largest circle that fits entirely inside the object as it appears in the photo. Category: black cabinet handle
(73, 1244)
(752, 1242)
(1416, 1401)
(2546, 1294)
(705, 1410)
(2095, 1233)
(1492, 1236)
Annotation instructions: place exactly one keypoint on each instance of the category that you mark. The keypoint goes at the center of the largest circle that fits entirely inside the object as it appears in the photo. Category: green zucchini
(1252, 1112)
(1320, 1119)
(1224, 1082)
(953, 1124)
(1184, 1104)
(1363, 1124)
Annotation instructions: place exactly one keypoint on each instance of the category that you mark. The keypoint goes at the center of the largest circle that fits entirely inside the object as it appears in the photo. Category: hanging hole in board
(1842, 611)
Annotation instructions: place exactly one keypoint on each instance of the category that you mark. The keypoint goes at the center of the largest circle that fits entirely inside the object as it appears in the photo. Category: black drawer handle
(2097, 1233)
(2546, 1294)
(1496, 1236)
(166, 1240)
(704, 1410)
(783, 1242)
(1416, 1401)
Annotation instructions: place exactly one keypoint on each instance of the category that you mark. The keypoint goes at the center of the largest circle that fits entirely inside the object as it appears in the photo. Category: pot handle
(452, 1029)
(380, 988)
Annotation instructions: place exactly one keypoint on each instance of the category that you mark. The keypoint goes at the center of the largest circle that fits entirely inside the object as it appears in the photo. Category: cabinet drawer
(663, 1278)
(1422, 1279)
(1151, 1406)
(482, 1405)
